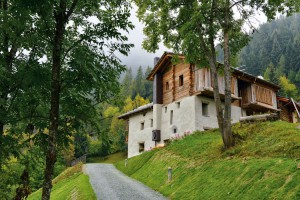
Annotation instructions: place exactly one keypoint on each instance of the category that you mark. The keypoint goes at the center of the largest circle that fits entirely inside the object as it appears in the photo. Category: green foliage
(81, 144)
(71, 184)
(41, 51)
(276, 42)
(135, 103)
(262, 165)
(139, 85)
(287, 89)
(94, 148)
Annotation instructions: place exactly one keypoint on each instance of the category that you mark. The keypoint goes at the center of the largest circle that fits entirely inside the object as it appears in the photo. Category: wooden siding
(234, 86)
(177, 91)
(202, 79)
(196, 81)
(253, 93)
(183, 90)
(263, 95)
(246, 94)
(168, 77)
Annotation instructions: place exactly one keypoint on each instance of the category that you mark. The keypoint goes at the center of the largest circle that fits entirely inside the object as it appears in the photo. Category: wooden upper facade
(171, 82)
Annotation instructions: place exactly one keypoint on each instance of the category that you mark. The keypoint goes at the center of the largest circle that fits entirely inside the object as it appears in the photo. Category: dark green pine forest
(274, 53)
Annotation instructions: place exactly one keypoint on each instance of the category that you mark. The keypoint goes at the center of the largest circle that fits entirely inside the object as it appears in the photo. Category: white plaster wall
(211, 120)
(136, 135)
(183, 117)
(157, 113)
(187, 117)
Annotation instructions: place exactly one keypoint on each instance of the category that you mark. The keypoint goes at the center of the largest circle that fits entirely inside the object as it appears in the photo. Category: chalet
(183, 102)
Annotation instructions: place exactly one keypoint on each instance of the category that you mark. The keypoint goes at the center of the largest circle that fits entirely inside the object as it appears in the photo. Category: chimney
(156, 59)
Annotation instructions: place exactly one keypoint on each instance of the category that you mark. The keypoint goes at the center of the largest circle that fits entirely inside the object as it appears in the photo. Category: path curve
(111, 184)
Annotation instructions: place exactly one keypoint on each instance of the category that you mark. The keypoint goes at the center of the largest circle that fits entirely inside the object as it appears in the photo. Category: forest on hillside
(274, 53)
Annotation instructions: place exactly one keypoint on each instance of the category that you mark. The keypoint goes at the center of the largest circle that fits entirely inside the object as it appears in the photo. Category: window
(141, 147)
(167, 85)
(178, 104)
(142, 125)
(171, 117)
(181, 80)
(151, 122)
(205, 109)
(174, 130)
(166, 109)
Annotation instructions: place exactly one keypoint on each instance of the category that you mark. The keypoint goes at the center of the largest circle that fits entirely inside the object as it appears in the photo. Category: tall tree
(148, 85)
(139, 87)
(127, 84)
(72, 30)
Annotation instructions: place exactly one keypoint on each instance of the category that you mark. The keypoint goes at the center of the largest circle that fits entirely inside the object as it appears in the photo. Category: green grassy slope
(263, 165)
(71, 184)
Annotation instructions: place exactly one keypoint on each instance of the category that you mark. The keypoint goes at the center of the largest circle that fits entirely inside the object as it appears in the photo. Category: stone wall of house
(140, 132)
(173, 120)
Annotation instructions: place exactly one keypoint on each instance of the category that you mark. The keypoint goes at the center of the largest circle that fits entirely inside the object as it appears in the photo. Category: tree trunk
(227, 134)
(55, 96)
(24, 190)
(214, 70)
(217, 99)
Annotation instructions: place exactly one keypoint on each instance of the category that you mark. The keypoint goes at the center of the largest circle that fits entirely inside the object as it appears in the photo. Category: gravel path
(109, 183)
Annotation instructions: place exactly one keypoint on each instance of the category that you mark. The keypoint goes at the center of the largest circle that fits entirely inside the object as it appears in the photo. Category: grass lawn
(113, 158)
(71, 184)
(262, 165)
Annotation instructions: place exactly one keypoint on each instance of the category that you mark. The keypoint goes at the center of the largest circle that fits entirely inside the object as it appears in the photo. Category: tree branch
(72, 8)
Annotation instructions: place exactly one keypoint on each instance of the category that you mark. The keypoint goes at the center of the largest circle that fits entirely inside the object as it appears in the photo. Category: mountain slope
(263, 165)
(274, 45)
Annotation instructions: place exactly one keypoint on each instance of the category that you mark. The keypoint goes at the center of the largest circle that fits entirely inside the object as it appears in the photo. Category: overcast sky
(140, 57)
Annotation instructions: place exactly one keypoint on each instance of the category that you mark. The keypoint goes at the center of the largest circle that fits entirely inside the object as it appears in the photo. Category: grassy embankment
(263, 164)
(70, 184)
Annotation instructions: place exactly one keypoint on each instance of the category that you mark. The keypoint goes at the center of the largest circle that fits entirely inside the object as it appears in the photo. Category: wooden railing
(203, 81)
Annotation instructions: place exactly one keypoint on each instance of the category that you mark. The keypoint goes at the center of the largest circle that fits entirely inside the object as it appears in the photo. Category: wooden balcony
(204, 85)
(257, 98)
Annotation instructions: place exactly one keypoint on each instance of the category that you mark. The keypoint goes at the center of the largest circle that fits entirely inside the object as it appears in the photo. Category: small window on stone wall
(178, 104)
(141, 147)
(174, 130)
(151, 122)
(167, 85)
(142, 125)
(171, 117)
(205, 109)
(166, 109)
(181, 80)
